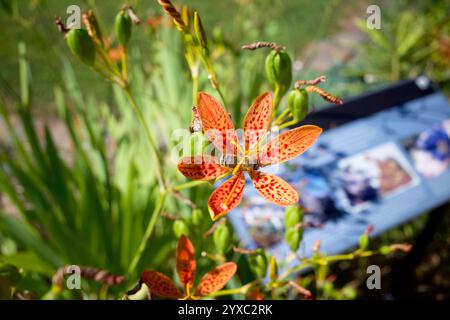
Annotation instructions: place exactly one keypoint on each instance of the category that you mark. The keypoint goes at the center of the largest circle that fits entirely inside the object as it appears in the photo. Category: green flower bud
(258, 264)
(199, 31)
(298, 103)
(385, 250)
(81, 45)
(123, 28)
(363, 241)
(197, 217)
(273, 269)
(279, 70)
(293, 237)
(180, 228)
(292, 216)
(222, 238)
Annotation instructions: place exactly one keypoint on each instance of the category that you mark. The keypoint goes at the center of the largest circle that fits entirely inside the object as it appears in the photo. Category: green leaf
(27, 236)
(28, 260)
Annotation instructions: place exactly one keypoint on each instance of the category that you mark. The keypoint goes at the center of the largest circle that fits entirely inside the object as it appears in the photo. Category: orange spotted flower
(161, 285)
(219, 129)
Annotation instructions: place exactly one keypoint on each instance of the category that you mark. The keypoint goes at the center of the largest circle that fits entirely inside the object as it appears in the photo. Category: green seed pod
(363, 241)
(197, 217)
(385, 250)
(81, 45)
(180, 228)
(279, 70)
(199, 31)
(123, 28)
(222, 238)
(292, 216)
(258, 264)
(273, 269)
(293, 237)
(298, 103)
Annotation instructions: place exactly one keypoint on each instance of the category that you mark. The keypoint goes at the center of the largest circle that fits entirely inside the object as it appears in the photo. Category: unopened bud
(199, 30)
(180, 228)
(81, 45)
(298, 102)
(222, 238)
(123, 27)
(279, 70)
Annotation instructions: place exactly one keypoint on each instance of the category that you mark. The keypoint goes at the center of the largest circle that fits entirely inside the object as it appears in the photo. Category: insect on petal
(227, 196)
(289, 145)
(257, 120)
(216, 279)
(160, 284)
(201, 168)
(186, 264)
(274, 189)
(216, 123)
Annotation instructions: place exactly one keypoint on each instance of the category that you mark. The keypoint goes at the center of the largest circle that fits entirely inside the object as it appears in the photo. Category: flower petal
(186, 264)
(274, 189)
(289, 145)
(201, 168)
(227, 196)
(216, 279)
(160, 284)
(216, 123)
(257, 120)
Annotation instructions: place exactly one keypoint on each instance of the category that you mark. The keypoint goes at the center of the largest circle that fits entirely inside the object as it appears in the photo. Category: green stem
(228, 292)
(151, 141)
(211, 74)
(148, 233)
(281, 117)
(276, 101)
(287, 124)
(194, 88)
(124, 65)
(189, 184)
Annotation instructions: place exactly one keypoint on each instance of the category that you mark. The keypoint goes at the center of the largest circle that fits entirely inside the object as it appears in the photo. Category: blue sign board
(383, 159)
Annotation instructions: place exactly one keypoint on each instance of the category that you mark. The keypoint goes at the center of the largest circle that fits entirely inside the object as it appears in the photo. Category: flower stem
(150, 139)
(276, 101)
(148, 232)
(287, 124)
(189, 184)
(124, 65)
(228, 292)
(280, 118)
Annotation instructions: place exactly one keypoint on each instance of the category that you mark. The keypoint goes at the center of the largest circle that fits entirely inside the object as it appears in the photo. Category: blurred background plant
(75, 178)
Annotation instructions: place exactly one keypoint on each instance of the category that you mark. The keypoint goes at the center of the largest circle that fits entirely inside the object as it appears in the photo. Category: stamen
(238, 146)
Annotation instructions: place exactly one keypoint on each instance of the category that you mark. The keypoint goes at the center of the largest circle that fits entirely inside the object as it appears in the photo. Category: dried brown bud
(170, 9)
(325, 95)
(262, 44)
(92, 26)
(313, 82)
(98, 275)
(60, 25)
(402, 247)
(302, 291)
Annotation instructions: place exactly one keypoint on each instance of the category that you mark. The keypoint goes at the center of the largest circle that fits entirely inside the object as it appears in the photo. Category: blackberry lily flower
(219, 129)
(161, 285)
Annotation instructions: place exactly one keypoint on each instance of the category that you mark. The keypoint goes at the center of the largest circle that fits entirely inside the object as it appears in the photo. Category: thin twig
(211, 230)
